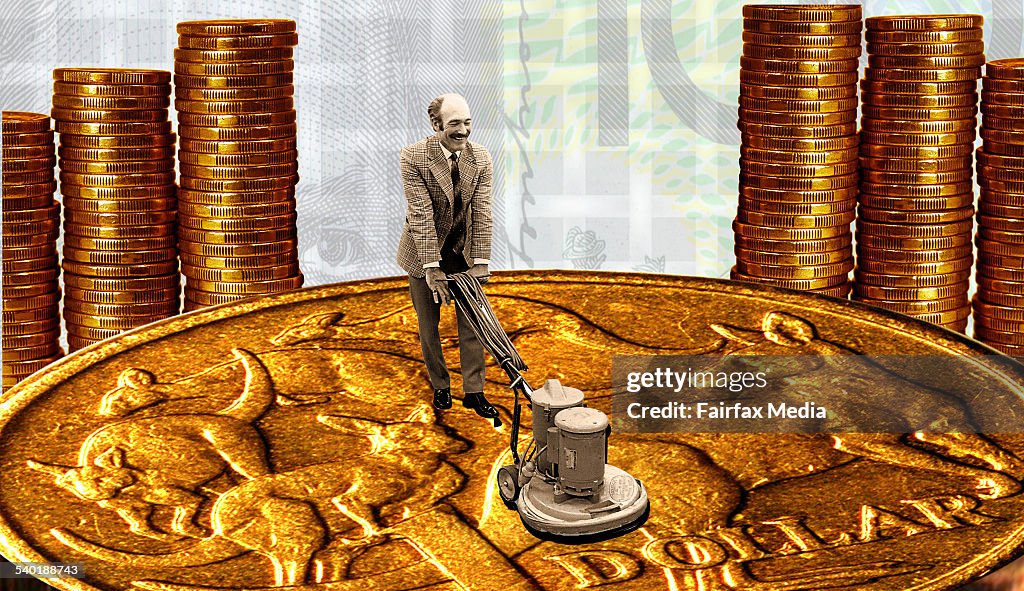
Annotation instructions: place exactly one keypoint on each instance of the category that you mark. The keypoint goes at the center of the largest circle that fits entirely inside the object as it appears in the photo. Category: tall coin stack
(999, 302)
(117, 179)
(916, 204)
(31, 324)
(238, 159)
(798, 157)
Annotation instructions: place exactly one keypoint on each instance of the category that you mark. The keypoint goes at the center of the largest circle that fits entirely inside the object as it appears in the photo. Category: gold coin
(246, 287)
(27, 152)
(833, 13)
(23, 203)
(239, 172)
(995, 311)
(111, 90)
(798, 284)
(991, 278)
(31, 302)
(988, 334)
(897, 74)
(798, 106)
(1000, 223)
(237, 42)
(43, 228)
(189, 81)
(235, 94)
(111, 322)
(203, 56)
(21, 122)
(116, 154)
(106, 193)
(895, 87)
(229, 275)
(1000, 254)
(120, 205)
(38, 290)
(107, 103)
(792, 259)
(788, 233)
(1004, 111)
(919, 307)
(1005, 149)
(841, 66)
(234, 199)
(800, 144)
(237, 212)
(259, 159)
(199, 299)
(917, 178)
(30, 315)
(12, 165)
(238, 225)
(793, 246)
(789, 40)
(109, 257)
(1001, 123)
(227, 186)
(250, 262)
(915, 165)
(952, 266)
(799, 157)
(924, 22)
(49, 338)
(35, 177)
(999, 325)
(235, 27)
(996, 198)
(281, 137)
(992, 173)
(927, 49)
(797, 119)
(12, 266)
(118, 141)
(139, 296)
(116, 167)
(799, 184)
(821, 93)
(930, 101)
(896, 242)
(913, 256)
(119, 270)
(918, 113)
(845, 131)
(118, 180)
(796, 208)
(162, 309)
(44, 189)
(240, 120)
(839, 291)
(1006, 69)
(104, 129)
(234, 107)
(991, 97)
(171, 281)
(909, 293)
(43, 138)
(31, 277)
(111, 76)
(22, 369)
(999, 160)
(1002, 85)
(914, 231)
(238, 146)
(187, 247)
(750, 167)
(933, 36)
(31, 327)
(841, 268)
(917, 139)
(1005, 211)
(29, 240)
(119, 232)
(914, 152)
(243, 68)
(795, 221)
(783, 52)
(802, 28)
(32, 215)
(81, 115)
(828, 196)
(791, 79)
(97, 334)
(238, 237)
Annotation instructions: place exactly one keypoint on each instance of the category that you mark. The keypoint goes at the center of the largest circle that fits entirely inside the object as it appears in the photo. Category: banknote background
(611, 122)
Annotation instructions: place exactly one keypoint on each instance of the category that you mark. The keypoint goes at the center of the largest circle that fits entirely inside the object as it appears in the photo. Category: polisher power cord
(471, 302)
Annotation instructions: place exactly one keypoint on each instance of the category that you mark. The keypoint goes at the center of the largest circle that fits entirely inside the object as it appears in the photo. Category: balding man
(447, 182)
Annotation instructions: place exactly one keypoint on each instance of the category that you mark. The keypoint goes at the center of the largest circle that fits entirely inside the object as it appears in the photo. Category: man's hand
(436, 281)
(481, 272)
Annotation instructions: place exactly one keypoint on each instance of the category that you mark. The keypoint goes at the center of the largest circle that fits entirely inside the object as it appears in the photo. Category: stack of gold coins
(117, 179)
(798, 157)
(999, 302)
(236, 118)
(916, 204)
(31, 324)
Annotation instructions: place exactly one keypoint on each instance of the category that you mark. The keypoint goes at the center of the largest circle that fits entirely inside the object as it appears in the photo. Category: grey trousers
(471, 352)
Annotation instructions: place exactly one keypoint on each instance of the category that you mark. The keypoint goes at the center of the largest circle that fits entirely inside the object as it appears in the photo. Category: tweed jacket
(427, 181)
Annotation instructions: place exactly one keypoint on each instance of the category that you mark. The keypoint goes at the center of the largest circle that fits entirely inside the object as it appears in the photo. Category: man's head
(450, 118)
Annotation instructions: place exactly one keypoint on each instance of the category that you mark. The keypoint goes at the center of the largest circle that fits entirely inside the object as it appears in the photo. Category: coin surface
(357, 413)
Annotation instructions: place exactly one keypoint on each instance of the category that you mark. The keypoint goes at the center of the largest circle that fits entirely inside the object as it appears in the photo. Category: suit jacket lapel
(467, 172)
(442, 171)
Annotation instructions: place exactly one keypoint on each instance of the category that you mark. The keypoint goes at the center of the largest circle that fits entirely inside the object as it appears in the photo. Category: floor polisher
(562, 486)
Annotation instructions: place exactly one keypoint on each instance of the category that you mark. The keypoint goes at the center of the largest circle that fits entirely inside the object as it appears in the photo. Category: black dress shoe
(477, 402)
(443, 398)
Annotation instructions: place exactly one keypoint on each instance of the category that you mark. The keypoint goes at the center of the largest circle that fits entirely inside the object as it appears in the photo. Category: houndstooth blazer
(426, 178)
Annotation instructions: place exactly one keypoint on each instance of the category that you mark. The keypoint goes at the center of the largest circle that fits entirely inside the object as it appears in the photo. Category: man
(447, 183)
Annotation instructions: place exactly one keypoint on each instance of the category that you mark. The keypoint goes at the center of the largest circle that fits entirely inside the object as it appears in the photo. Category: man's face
(455, 124)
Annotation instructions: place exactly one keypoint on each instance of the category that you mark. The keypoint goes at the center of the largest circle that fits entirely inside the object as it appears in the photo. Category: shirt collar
(448, 155)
